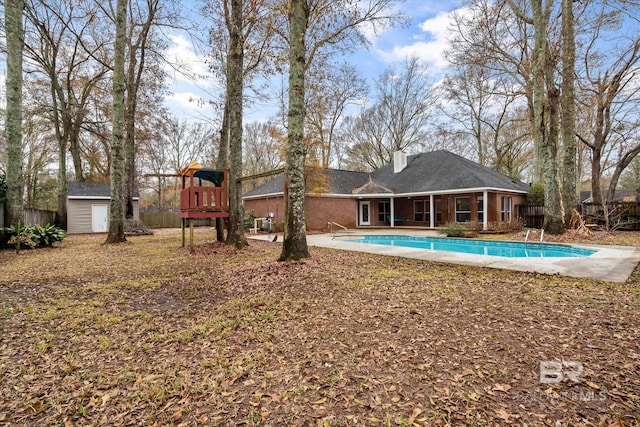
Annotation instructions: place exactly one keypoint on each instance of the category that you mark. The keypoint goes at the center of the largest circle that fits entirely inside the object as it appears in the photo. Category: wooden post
(191, 244)
(182, 226)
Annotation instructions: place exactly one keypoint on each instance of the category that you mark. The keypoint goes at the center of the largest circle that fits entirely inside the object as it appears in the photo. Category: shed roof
(93, 190)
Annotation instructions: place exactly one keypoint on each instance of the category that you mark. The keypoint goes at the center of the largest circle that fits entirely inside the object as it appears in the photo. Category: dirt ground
(144, 333)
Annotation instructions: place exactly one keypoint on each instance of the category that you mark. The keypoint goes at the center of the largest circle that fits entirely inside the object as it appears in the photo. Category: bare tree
(483, 108)
(630, 179)
(329, 91)
(610, 97)
(143, 16)
(241, 48)
(398, 120)
(40, 144)
(263, 149)
(490, 36)
(546, 107)
(61, 46)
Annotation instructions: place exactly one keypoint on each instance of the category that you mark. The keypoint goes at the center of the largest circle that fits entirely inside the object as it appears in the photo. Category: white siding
(79, 214)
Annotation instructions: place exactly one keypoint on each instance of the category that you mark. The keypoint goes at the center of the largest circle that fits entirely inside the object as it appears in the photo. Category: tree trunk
(13, 119)
(569, 181)
(76, 156)
(135, 69)
(223, 162)
(62, 185)
(553, 215)
(620, 167)
(116, 224)
(129, 141)
(235, 232)
(546, 126)
(596, 191)
(295, 239)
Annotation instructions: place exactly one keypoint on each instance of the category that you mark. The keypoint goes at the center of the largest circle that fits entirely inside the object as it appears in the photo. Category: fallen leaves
(147, 334)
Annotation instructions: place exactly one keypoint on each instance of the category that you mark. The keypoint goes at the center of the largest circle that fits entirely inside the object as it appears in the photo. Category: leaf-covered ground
(143, 333)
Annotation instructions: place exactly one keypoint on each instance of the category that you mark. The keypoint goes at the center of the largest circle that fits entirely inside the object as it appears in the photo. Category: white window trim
(455, 205)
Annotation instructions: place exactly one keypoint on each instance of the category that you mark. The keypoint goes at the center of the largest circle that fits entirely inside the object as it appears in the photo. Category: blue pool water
(478, 247)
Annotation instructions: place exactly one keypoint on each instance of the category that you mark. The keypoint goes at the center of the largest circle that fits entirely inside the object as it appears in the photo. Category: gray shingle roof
(339, 182)
(371, 187)
(443, 171)
(92, 189)
(436, 171)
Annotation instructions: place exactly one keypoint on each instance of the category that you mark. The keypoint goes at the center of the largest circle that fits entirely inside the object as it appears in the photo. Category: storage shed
(88, 206)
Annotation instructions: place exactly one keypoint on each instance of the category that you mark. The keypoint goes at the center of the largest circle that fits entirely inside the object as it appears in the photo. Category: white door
(99, 218)
(365, 213)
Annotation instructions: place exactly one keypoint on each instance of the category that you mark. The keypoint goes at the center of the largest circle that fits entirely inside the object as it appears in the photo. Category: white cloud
(192, 84)
(188, 104)
(187, 66)
(428, 46)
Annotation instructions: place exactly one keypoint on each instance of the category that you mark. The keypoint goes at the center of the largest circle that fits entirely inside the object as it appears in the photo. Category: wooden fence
(531, 215)
(39, 217)
(614, 215)
(169, 220)
(32, 217)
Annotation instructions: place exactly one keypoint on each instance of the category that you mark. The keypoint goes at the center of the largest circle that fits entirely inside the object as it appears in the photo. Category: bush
(249, 216)
(48, 234)
(457, 229)
(536, 194)
(31, 236)
(505, 227)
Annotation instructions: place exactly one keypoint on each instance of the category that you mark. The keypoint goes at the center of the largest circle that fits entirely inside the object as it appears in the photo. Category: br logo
(553, 372)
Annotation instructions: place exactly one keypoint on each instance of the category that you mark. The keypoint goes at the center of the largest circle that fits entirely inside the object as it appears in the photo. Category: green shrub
(536, 194)
(249, 216)
(31, 236)
(48, 235)
(455, 229)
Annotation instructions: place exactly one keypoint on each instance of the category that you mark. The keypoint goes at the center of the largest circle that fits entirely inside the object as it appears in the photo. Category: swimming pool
(478, 247)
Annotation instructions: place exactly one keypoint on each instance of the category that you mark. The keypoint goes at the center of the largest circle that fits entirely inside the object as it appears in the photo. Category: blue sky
(425, 37)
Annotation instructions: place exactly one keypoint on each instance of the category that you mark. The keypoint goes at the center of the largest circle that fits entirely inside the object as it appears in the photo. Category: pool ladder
(526, 238)
(331, 226)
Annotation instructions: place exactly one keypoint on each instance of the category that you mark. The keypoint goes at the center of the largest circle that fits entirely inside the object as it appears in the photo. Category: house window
(463, 209)
(421, 211)
(384, 211)
(480, 207)
(506, 209)
(418, 210)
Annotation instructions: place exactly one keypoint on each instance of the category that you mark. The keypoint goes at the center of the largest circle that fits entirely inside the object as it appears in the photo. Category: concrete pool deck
(611, 263)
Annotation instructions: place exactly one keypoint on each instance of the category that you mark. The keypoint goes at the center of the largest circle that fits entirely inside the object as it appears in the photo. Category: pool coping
(611, 263)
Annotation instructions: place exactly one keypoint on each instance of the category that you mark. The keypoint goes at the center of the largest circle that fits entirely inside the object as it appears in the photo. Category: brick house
(421, 190)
